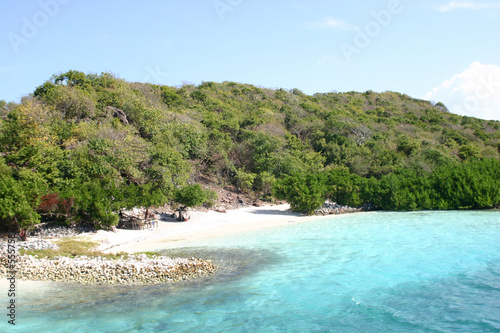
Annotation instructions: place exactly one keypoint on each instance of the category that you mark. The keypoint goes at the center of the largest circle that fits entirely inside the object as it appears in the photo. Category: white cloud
(331, 23)
(475, 92)
(454, 4)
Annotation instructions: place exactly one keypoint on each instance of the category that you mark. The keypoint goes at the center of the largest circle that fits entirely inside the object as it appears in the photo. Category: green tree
(145, 195)
(170, 96)
(470, 185)
(265, 182)
(468, 151)
(345, 188)
(304, 192)
(245, 180)
(404, 189)
(191, 195)
(98, 202)
(17, 206)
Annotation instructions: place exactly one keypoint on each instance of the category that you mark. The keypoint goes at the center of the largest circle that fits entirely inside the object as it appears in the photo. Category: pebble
(132, 269)
(37, 244)
(48, 231)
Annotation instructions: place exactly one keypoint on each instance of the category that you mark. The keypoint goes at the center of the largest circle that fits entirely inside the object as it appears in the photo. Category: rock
(117, 113)
(258, 203)
(133, 269)
(48, 231)
(221, 209)
(334, 208)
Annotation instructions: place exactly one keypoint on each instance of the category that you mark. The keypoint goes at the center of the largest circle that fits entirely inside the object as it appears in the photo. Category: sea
(430, 271)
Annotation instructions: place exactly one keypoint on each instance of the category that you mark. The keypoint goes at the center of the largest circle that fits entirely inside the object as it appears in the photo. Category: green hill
(82, 146)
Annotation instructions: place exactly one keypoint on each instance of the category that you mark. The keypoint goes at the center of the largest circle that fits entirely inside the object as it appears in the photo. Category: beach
(137, 265)
(202, 225)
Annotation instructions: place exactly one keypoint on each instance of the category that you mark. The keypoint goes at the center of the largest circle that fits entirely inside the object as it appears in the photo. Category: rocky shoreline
(330, 208)
(131, 269)
(128, 270)
(50, 231)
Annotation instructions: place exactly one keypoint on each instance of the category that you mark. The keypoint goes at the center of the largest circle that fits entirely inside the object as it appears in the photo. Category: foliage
(304, 192)
(54, 208)
(17, 205)
(98, 202)
(245, 180)
(264, 183)
(191, 195)
(470, 185)
(345, 188)
(66, 154)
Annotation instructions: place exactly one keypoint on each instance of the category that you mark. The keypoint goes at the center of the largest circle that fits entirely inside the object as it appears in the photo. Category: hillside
(82, 146)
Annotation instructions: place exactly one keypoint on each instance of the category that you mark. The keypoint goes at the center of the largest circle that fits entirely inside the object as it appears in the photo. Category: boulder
(221, 209)
(258, 203)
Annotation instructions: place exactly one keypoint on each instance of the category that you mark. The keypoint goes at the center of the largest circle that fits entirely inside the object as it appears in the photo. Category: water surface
(365, 272)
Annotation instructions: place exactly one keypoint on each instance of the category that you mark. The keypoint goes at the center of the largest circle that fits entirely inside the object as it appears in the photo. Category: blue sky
(442, 50)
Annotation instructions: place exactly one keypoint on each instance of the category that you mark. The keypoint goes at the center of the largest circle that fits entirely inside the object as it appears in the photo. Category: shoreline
(169, 234)
(202, 225)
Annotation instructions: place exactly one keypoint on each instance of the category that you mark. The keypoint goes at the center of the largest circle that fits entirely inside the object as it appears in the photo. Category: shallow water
(367, 272)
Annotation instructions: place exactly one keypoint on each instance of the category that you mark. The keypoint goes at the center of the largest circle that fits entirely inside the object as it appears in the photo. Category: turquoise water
(367, 272)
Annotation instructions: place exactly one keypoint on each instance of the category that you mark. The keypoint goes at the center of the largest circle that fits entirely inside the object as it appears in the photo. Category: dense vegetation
(83, 146)
(472, 184)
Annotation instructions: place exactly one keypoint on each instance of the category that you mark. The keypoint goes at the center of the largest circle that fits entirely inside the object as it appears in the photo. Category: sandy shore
(202, 225)
(168, 234)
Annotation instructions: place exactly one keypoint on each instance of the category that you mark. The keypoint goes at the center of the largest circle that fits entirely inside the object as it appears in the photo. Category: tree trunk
(23, 233)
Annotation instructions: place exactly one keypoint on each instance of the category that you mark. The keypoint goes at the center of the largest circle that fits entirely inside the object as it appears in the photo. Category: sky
(441, 50)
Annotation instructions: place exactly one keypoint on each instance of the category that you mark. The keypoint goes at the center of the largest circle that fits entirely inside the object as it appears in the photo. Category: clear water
(367, 272)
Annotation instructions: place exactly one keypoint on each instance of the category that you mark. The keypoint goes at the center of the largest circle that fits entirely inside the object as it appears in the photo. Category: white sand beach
(169, 234)
(202, 225)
